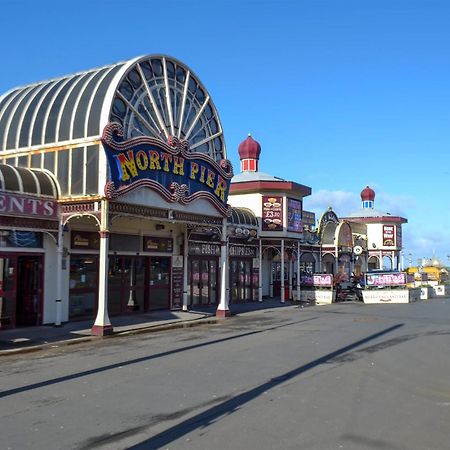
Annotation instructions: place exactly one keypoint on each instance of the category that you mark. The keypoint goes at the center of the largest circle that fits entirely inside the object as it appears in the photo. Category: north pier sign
(177, 174)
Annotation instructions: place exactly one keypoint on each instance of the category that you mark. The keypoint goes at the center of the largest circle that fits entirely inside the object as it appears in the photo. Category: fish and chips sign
(177, 174)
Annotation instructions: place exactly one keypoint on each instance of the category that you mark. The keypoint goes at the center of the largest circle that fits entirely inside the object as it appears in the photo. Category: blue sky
(340, 94)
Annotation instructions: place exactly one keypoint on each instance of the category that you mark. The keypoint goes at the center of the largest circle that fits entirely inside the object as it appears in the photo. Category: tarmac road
(343, 376)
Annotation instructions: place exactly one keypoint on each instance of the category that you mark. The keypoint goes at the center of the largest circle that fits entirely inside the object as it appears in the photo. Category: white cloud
(423, 242)
(342, 202)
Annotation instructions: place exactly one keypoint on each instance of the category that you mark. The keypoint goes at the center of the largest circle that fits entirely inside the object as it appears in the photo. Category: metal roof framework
(153, 95)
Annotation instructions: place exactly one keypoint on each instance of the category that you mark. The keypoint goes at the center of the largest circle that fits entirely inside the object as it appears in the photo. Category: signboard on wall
(398, 236)
(19, 205)
(388, 235)
(294, 215)
(171, 169)
(324, 280)
(242, 251)
(85, 240)
(203, 249)
(177, 282)
(158, 244)
(386, 279)
(272, 213)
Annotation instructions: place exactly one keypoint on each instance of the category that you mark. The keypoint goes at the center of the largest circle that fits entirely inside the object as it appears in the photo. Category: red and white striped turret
(249, 151)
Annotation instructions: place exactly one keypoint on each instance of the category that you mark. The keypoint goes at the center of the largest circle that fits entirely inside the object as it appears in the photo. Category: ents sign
(17, 205)
(177, 174)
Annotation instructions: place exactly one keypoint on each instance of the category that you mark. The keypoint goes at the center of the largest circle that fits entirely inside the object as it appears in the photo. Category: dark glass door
(126, 284)
(159, 283)
(203, 274)
(241, 280)
(29, 290)
(8, 270)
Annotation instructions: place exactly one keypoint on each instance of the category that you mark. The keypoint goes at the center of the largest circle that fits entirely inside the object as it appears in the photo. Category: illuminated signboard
(294, 218)
(272, 213)
(325, 280)
(386, 279)
(177, 174)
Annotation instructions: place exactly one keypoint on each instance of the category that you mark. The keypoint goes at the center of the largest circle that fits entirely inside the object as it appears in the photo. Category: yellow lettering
(194, 170)
(166, 157)
(210, 179)
(154, 160)
(220, 188)
(178, 165)
(127, 165)
(141, 160)
(202, 174)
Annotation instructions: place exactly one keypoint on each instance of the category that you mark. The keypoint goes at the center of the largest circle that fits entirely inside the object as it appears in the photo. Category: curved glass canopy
(161, 97)
(154, 95)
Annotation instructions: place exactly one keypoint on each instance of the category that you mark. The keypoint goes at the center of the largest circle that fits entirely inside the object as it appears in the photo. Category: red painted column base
(102, 330)
(223, 313)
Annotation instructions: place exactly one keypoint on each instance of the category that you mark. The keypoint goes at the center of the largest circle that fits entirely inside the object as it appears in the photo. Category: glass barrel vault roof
(153, 95)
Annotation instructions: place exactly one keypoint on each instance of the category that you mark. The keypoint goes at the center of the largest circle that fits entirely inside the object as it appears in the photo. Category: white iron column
(223, 308)
(59, 253)
(271, 279)
(260, 272)
(298, 271)
(102, 325)
(290, 267)
(185, 268)
(282, 271)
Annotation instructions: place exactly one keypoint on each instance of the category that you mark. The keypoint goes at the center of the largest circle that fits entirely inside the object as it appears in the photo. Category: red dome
(367, 194)
(249, 149)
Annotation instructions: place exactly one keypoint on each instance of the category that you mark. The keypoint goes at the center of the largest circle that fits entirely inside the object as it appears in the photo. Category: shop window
(22, 161)
(125, 242)
(63, 171)
(92, 169)
(76, 185)
(49, 161)
(83, 285)
(22, 239)
(36, 161)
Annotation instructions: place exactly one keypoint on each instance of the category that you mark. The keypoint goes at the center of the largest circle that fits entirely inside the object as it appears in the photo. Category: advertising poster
(177, 282)
(294, 217)
(388, 235)
(398, 236)
(272, 213)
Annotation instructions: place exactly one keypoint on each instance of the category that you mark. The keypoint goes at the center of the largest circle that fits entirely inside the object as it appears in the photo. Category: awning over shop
(28, 199)
(243, 217)
(35, 182)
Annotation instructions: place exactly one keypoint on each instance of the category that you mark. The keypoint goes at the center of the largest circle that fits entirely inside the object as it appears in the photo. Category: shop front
(28, 233)
(203, 273)
(132, 170)
(244, 273)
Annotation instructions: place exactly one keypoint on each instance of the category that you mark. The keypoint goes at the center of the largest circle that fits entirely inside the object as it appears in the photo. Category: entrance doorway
(21, 280)
(241, 280)
(203, 281)
(138, 283)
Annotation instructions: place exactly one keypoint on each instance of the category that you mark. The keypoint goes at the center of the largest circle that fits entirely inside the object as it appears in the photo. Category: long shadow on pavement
(228, 407)
(73, 376)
